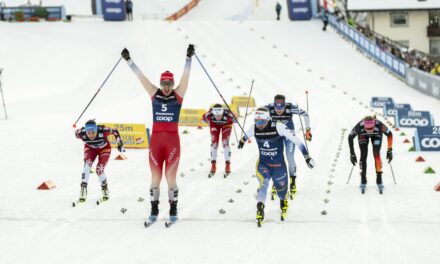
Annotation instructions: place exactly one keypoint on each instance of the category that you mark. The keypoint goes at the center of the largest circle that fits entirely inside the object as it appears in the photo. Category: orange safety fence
(183, 11)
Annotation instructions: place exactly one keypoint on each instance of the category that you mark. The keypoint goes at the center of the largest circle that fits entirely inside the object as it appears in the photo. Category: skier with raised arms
(165, 142)
(270, 137)
(370, 128)
(283, 111)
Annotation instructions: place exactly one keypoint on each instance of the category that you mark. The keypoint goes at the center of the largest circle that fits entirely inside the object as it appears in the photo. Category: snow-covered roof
(385, 5)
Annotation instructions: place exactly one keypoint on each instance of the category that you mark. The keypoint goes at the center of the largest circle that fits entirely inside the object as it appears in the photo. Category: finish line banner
(133, 135)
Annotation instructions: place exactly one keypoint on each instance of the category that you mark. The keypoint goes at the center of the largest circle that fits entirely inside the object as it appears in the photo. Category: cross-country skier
(366, 129)
(220, 122)
(98, 146)
(282, 111)
(270, 137)
(165, 142)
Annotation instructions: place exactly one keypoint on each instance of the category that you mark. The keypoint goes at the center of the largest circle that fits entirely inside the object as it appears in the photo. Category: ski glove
(310, 162)
(308, 134)
(241, 144)
(353, 159)
(125, 54)
(121, 147)
(190, 51)
(390, 155)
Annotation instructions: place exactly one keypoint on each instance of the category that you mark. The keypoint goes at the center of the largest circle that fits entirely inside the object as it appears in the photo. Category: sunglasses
(166, 83)
(279, 106)
(91, 128)
(260, 122)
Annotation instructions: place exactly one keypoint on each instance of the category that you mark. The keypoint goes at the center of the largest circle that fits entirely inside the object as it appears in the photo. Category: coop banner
(380, 102)
(113, 10)
(427, 138)
(392, 110)
(299, 9)
(413, 119)
(133, 135)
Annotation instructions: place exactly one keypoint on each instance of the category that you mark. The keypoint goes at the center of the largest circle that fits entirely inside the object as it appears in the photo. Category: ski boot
(83, 193)
(379, 182)
(363, 186)
(173, 211)
(153, 214)
(227, 169)
(260, 213)
(213, 169)
(274, 193)
(284, 205)
(292, 187)
(105, 192)
(380, 187)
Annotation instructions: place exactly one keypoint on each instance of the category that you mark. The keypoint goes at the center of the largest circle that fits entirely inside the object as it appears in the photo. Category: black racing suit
(376, 139)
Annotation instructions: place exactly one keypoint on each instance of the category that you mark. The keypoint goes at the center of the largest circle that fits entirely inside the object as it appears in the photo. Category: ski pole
(3, 99)
(307, 100)
(349, 177)
(235, 132)
(392, 172)
(218, 91)
(102, 85)
(247, 106)
(302, 129)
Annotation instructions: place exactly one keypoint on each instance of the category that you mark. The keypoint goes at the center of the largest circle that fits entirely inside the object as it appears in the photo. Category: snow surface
(53, 69)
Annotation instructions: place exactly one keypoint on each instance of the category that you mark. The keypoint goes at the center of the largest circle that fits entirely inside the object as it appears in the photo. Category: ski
(101, 200)
(77, 202)
(259, 222)
(169, 223)
(211, 174)
(149, 223)
(226, 174)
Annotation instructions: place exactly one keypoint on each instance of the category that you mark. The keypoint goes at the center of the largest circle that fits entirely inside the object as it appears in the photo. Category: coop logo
(164, 118)
(413, 122)
(391, 112)
(431, 142)
(269, 153)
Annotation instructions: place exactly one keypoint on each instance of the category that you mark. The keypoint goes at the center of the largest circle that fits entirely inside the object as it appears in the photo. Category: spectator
(129, 9)
(324, 17)
(278, 9)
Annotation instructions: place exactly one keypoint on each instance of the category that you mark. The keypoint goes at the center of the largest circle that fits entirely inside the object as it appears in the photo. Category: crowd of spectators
(413, 58)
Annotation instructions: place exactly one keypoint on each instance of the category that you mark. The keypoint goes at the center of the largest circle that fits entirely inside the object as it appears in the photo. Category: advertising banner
(133, 135)
(427, 138)
(113, 10)
(299, 9)
(413, 119)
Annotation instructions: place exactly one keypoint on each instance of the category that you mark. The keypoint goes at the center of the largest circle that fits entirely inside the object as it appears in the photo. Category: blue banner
(427, 138)
(413, 119)
(113, 10)
(389, 110)
(368, 46)
(299, 9)
(380, 102)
